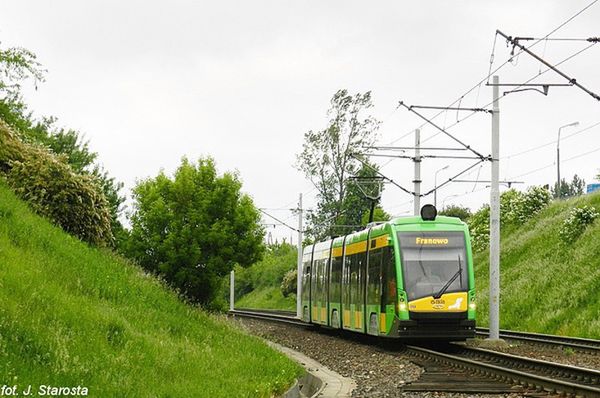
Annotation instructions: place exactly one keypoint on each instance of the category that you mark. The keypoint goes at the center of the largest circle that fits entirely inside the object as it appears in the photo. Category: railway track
(454, 367)
(548, 339)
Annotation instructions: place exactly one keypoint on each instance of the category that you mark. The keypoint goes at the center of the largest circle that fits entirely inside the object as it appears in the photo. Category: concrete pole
(231, 290)
(417, 180)
(299, 276)
(495, 218)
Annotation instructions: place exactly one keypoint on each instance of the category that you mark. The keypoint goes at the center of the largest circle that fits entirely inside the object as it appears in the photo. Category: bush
(464, 213)
(289, 283)
(576, 223)
(534, 200)
(479, 228)
(72, 201)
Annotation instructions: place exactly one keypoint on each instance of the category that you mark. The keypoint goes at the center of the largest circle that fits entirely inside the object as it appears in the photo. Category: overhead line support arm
(515, 43)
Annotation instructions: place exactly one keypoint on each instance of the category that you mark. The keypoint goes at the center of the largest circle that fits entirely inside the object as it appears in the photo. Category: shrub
(576, 223)
(479, 228)
(461, 212)
(289, 283)
(534, 200)
(72, 201)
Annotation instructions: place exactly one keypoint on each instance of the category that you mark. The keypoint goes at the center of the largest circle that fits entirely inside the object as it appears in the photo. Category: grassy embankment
(547, 286)
(259, 286)
(74, 315)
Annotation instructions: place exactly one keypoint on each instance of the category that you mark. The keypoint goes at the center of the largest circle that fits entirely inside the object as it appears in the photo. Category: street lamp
(448, 197)
(435, 184)
(558, 193)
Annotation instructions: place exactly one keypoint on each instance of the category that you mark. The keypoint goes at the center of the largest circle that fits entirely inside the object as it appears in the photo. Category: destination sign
(440, 239)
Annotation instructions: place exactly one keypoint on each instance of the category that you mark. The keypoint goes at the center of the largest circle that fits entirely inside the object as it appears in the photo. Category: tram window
(374, 281)
(336, 279)
(389, 276)
(346, 282)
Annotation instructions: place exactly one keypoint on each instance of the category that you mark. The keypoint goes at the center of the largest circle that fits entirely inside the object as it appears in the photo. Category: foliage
(462, 212)
(569, 190)
(277, 261)
(516, 208)
(534, 200)
(576, 223)
(260, 285)
(73, 314)
(378, 215)
(329, 157)
(17, 65)
(289, 284)
(546, 286)
(72, 201)
(193, 228)
(479, 228)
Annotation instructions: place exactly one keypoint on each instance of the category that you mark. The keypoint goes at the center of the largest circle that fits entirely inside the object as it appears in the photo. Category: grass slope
(73, 315)
(547, 286)
(269, 297)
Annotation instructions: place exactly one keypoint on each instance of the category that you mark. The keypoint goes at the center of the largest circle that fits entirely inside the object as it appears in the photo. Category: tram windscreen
(433, 263)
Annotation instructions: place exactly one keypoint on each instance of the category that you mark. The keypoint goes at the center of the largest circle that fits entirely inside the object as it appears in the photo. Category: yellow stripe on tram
(382, 324)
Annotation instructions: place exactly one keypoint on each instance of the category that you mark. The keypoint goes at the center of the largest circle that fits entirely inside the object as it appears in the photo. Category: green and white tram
(411, 277)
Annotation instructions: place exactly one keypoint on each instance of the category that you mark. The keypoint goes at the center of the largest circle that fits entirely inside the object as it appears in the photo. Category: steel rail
(531, 373)
(550, 339)
(506, 369)
(270, 316)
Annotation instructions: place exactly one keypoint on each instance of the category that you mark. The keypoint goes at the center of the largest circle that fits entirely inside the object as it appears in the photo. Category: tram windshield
(433, 263)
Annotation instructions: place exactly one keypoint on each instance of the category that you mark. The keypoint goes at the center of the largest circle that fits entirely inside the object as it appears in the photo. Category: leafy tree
(461, 212)
(569, 190)
(328, 158)
(17, 65)
(193, 228)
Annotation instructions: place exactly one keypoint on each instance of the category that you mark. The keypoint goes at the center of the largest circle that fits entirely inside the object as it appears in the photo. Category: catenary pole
(231, 290)
(495, 218)
(417, 180)
(299, 267)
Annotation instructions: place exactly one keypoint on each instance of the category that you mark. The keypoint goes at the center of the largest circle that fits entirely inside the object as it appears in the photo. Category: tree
(328, 158)
(569, 190)
(17, 65)
(193, 228)
(461, 212)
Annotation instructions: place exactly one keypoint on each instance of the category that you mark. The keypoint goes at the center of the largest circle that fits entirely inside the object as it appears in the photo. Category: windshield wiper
(447, 285)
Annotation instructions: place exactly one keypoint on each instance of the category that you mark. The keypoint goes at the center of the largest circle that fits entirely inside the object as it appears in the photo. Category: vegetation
(193, 228)
(73, 201)
(547, 285)
(261, 285)
(578, 220)
(74, 315)
(462, 212)
(569, 190)
(329, 158)
(515, 209)
(18, 65)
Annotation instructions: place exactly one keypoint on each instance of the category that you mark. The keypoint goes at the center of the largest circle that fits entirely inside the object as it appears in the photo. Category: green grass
(547, 286)
(74, 315)
(267, 297)
(259, 286)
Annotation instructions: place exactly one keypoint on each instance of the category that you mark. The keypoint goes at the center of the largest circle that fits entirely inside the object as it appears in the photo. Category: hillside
(547, 286)
(73, 315)
(259, 286)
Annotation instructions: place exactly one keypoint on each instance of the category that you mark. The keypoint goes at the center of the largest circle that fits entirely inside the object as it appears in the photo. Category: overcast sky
(149, 82)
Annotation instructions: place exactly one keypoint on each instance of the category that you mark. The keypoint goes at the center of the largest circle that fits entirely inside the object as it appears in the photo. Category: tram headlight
(401, 307)
(472, 306)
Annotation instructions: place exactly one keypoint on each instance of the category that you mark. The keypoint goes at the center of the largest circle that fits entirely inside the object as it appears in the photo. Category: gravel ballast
(377, 373)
